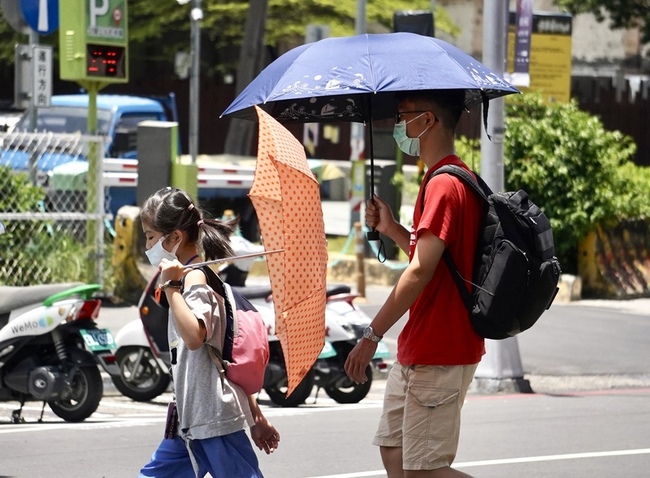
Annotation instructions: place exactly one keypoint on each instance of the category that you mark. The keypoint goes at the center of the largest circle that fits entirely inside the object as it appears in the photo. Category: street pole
(357, 129)
(196, 15)
(357, 143)
(500, 369)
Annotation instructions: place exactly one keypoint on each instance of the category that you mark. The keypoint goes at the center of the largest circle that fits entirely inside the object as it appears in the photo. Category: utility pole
(196, 15)
(357, 143)
(251, 55)
(500, 369)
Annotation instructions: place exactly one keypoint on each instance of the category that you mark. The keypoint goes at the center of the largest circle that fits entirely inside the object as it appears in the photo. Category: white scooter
(344, 324)
(50, 349)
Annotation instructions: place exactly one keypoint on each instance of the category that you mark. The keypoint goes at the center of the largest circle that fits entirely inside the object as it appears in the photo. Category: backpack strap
(483, 190)
(223, 290)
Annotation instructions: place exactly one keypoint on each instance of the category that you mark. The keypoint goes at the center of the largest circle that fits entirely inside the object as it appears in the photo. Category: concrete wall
(596, 49)
(615, 262)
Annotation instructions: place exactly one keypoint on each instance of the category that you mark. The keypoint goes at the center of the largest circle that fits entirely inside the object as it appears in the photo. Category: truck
(223, 181)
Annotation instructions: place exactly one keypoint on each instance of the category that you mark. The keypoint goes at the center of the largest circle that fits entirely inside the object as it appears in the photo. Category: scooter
(344, 328)
(50, 349)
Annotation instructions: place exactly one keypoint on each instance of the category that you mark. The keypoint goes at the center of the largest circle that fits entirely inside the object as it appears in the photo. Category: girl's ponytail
(214, 238)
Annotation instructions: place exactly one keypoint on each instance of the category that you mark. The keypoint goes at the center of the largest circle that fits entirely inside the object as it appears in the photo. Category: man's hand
(379, 215)
(358, 360)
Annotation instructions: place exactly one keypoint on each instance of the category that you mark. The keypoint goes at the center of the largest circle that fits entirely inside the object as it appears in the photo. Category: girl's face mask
(410, 146)
(157, 253)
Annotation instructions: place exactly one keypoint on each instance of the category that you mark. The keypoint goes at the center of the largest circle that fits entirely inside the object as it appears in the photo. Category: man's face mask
(410, 146)
(157, 253)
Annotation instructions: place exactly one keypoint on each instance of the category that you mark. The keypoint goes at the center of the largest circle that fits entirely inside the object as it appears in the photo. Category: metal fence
(51, 209)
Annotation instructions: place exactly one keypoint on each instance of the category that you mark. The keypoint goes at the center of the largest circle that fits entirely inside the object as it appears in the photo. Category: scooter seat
(253, 292)
(338, 289)
(263, 291)
(12, 298)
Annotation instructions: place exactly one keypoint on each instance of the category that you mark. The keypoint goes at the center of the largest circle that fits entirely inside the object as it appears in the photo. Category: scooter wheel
(141, 381)
(277, 391)
(345, 390)
(82, 398)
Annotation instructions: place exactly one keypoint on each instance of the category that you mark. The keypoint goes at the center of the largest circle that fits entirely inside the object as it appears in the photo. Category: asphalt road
(589, 415)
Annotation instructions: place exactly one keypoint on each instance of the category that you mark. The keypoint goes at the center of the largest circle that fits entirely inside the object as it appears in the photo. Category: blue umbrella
(356, 78)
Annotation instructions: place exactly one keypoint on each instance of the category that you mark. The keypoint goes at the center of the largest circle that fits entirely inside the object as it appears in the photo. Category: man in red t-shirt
(438, 350)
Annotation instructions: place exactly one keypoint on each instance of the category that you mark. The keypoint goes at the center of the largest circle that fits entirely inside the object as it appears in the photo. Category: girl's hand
(170, 270)
(265, 436)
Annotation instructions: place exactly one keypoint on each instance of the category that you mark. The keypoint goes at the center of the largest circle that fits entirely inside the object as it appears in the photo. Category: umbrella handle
(372, 235)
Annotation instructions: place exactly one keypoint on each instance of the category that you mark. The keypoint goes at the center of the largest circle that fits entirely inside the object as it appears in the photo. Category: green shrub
(579, 173)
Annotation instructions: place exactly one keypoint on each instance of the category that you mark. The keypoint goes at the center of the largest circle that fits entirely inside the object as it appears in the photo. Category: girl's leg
(230, 456)
(170, 460)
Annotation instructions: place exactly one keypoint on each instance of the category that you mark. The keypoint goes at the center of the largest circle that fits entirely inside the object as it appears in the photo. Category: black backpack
(515, 270)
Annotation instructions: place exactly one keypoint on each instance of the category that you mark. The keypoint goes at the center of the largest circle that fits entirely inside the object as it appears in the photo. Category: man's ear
(432, 119)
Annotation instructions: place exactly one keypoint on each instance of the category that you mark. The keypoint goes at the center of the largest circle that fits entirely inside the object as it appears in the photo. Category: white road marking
(508, 461)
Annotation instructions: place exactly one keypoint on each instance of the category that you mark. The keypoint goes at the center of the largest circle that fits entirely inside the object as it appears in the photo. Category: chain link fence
(51, 209)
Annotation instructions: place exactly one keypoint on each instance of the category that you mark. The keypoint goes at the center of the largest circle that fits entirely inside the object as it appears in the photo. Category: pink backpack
(245, 351)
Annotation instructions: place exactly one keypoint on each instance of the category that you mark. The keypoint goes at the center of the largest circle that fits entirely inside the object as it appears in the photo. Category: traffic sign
(96, 41)
(13, 14)
(41, 15)
(42, 76)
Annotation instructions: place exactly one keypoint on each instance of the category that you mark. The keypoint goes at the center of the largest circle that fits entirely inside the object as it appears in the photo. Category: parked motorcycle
(344, 327)
(50, 349)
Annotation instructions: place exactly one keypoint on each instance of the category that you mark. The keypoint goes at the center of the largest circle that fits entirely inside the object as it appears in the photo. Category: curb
(345, 269)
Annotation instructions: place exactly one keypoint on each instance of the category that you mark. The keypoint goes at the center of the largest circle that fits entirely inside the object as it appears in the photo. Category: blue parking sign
(41, 15)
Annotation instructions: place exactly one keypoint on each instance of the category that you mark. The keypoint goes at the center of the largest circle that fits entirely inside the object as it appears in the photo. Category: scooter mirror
(2, 228)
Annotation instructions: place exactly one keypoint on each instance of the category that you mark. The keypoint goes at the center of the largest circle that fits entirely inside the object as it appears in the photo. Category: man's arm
(418, 274)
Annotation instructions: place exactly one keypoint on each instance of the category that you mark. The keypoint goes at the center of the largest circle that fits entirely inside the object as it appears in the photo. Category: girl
(212, 412)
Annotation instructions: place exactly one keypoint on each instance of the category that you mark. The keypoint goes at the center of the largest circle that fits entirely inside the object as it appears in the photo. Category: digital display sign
(105, 61)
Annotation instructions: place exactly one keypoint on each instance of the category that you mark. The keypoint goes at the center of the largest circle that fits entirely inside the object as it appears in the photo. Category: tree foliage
(579, 173)
(621, 13)
(160, 29)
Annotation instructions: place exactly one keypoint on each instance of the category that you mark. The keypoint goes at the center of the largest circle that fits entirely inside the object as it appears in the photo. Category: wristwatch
(174, 284)
(369, 333)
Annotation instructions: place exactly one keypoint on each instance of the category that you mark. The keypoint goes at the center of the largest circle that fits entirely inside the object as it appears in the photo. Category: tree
(621, 13)
(579, 173)
(223, 23)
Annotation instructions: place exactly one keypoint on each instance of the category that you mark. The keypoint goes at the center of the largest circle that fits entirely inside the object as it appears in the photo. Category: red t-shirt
(438, 331)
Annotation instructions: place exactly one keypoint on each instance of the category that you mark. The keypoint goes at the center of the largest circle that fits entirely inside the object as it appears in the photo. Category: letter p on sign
(98, 8)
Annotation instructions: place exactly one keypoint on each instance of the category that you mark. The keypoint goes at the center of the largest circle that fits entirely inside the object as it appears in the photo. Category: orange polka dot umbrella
(286, 198)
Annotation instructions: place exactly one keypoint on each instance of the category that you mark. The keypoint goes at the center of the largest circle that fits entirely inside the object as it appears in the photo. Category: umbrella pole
(371, 235)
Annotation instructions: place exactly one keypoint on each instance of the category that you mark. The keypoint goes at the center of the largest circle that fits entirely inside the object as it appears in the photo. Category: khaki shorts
(421, 414)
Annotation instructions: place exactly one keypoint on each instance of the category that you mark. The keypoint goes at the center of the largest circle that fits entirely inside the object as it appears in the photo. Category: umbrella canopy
(286, 198)
(355, 78)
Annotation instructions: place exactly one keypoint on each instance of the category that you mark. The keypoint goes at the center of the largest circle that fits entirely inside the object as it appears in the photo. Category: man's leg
(391, 456)
(445, 472)
(389, 431)
(432, 419)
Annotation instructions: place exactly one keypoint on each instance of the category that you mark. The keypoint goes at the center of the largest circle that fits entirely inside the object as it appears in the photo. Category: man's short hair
(448, 105)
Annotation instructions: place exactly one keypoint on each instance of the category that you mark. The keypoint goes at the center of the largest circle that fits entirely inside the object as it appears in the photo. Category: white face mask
(157, 253)
(410, 146)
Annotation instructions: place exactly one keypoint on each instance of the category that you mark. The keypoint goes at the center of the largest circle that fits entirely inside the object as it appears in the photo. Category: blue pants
(229, 456)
